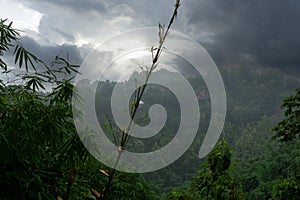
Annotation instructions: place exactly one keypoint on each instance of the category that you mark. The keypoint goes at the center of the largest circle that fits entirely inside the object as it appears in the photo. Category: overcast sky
(235, 32)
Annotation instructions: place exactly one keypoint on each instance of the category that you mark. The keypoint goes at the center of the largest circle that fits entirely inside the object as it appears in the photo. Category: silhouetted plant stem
(111, 175)
(139, 93)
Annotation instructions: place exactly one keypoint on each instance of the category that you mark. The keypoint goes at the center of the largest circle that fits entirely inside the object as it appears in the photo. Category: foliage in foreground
(42, 157)
(214, 179)
(288, 129)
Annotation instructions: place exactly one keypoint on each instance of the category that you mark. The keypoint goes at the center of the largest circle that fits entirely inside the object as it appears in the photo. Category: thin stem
(139, 94)
(153, 66)
(111, 175)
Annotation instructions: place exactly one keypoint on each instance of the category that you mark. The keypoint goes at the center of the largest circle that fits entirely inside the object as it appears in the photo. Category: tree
(287, 189)
(39, 145)
(213, 180)
(288, 131)
(42, 156)
(289, 128)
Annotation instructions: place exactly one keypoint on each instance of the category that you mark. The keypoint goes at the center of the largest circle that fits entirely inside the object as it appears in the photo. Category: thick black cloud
(48, 53)
(260, 32)
(235, 32)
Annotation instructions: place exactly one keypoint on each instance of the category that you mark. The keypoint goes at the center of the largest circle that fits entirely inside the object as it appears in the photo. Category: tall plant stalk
(156, 53)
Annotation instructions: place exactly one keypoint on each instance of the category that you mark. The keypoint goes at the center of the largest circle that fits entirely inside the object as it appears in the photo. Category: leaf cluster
(289, 128)
(38, 140)
(213, 180)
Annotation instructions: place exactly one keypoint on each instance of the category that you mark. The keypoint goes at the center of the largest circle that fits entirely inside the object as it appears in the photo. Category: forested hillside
(254, 99)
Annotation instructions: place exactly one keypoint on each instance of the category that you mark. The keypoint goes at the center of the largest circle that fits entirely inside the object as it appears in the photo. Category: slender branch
(162, 37)
(139, 94)
(111, 175)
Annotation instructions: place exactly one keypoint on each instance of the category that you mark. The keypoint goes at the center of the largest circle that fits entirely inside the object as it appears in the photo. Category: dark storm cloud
(261, 32)
(234, 32)
(47, 53)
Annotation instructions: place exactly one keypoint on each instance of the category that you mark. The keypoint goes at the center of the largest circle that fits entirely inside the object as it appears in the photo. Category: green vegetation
(43, 158)
(289, 128)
